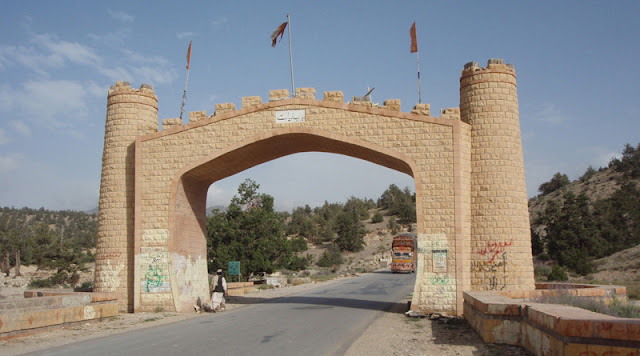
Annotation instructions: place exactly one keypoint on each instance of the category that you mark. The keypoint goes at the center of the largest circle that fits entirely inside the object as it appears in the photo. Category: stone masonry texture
(467, 165)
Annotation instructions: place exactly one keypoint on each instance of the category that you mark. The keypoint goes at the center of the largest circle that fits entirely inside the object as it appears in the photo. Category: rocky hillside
(598, 184)
(601, 185)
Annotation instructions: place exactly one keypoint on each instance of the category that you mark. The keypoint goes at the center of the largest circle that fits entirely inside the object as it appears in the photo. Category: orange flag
(414, 39)
(278, 32)
(189, 55)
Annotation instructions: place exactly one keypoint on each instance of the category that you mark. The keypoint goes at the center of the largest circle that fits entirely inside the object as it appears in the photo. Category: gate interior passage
(471, 202)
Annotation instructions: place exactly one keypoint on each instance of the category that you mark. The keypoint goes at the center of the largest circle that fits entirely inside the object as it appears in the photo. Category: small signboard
(439, 261)
(234, 268)
(287, 116)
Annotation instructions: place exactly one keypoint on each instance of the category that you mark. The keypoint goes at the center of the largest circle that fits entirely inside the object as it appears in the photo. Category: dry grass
(622, 268)
(616, 307)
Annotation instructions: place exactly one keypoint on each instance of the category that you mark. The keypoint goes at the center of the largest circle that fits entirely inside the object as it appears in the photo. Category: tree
(400, 203)
(330, 257)
(537, 247)
(44, 240)
(572, 235)
(377, 218)
(558, 181)
(250, 231)
(618, 218)
(393, 225)
(588, 174)
(302, 224)
(358, 206)
(350, 231)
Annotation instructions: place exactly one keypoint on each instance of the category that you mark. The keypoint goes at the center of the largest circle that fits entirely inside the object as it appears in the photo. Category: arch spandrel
(174, 168)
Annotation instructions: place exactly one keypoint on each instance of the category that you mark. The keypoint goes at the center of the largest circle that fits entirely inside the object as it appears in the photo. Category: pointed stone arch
(187, 224)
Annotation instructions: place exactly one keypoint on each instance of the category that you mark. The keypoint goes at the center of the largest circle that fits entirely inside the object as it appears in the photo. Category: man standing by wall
(219, 291)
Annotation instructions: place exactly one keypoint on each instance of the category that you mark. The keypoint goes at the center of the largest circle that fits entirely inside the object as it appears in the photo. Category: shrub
(330, 257)
(60, 278)
(393, 225)
(377, 218)
(616, 307)
(541, 272)
(299, 263)
(558, 181)
(558, 274)
(87, 285)
(40, 283)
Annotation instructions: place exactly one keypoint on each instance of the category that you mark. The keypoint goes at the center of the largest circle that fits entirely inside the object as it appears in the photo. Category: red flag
(189, 55)
(278, 32)
(414, 39)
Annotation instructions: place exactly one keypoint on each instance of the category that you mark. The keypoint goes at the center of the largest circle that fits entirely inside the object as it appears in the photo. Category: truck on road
(403, 253)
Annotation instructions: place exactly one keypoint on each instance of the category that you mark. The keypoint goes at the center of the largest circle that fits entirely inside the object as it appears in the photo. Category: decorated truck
(403, 253)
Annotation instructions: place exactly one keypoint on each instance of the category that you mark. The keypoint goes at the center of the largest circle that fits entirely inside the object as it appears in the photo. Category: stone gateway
(471, 201)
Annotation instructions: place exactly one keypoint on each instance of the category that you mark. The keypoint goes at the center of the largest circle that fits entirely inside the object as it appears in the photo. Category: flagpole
(418, 60)
(184, 95)
(293, 88)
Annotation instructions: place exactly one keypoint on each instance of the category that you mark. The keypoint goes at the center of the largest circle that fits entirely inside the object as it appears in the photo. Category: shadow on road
(388, 271)
(318, 303)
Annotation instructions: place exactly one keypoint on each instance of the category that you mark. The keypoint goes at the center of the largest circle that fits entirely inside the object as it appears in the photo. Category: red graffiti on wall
(494, 248)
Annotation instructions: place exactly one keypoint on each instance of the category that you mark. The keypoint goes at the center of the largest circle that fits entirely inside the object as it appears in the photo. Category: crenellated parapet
(276, 95)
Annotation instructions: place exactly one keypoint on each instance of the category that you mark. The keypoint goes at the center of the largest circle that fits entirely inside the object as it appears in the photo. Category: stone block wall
(41, 310)
(547, 329)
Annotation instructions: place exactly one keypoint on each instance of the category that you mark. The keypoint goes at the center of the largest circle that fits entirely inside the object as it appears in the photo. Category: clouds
(549, 113)
(219, 21)
(51, 97)
(183, 35)
(120, 16)
(52, 104)
(45, 51)
(3, 138)
(26, 182)
(112, 39)
(20, 127)
(9, 163)
(65, 51)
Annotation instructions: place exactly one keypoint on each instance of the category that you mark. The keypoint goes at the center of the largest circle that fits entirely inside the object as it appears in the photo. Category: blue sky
(576, 63)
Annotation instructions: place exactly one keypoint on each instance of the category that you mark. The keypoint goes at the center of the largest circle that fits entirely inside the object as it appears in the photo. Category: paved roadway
(321, 321)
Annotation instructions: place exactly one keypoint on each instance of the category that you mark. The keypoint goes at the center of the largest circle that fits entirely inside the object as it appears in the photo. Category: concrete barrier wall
(238, 288)
(550, 329)
(44, 309)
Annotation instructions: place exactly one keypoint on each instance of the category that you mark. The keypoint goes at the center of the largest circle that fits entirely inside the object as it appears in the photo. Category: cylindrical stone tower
(500, 232)
(130, 113)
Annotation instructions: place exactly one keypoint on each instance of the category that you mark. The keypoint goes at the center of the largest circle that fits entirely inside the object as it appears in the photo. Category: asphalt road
(320, 321)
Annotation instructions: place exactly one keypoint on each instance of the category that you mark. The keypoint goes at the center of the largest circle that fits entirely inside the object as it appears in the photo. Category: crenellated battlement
(283, 94)
(494, 65)
(125, 88)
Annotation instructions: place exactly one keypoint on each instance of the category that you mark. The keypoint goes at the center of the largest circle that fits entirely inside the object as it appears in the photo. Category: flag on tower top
(189, 55)
(279, 31)
(414, 39)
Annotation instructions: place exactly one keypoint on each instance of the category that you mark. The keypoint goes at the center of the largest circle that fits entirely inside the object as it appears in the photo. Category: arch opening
(187, 216)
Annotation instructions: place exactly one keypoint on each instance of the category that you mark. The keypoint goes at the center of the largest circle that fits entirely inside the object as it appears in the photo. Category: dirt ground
(391, 334)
